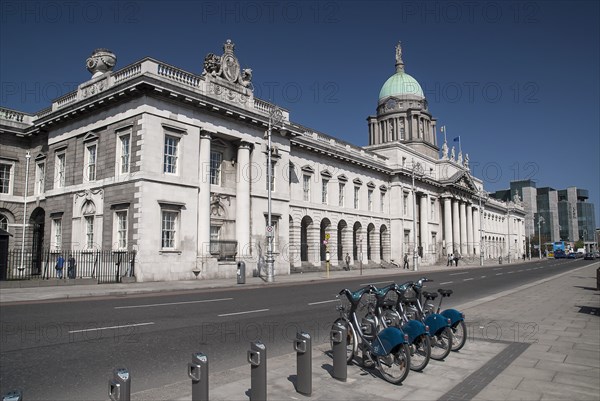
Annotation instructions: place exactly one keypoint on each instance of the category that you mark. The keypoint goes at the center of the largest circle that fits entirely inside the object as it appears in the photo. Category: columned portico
(448, 225)
(242, 212)
(204, 196)
(463, 229)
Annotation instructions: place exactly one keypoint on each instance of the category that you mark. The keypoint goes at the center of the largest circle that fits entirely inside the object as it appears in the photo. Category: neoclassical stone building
(173, 164)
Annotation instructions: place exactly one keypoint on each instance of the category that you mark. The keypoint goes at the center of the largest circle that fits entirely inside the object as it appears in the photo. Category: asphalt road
(66, 350)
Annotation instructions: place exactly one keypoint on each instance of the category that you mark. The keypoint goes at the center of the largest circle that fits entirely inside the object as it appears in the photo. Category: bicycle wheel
(351, 344)
(441, 344)
(459, 335)
(395, 366)
(420, 353)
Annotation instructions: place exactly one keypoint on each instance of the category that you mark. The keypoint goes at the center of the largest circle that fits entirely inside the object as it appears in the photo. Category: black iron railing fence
(106, 266)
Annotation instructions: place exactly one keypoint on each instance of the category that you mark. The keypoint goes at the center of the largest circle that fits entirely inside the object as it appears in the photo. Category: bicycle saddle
(445, 293)
(430, 295)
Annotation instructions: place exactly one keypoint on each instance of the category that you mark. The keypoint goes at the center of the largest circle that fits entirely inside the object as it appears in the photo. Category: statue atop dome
(399, 62)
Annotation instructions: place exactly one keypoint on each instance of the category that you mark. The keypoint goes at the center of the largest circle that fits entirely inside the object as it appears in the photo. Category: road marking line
(173, 303)
(483, 276)
(519, 271)
(499, 274)
(455, 274)
(110, 327)
(446, 282)
(497, 268)
(468, 279)
(511, 272)
(323, 302)
(242, 313)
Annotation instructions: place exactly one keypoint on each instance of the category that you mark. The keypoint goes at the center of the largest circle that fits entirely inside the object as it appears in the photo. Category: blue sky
(518, 81)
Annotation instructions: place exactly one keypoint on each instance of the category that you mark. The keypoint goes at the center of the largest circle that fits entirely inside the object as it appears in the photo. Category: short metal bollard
(339, 338)
(14, 395)
(303, 348)
(257, 357)
(198, 372)
(241, 272)
(119, 387)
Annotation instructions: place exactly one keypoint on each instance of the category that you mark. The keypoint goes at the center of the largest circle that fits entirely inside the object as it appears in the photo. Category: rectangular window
(59, 177)
(405, 204)
(5, 173)
(341, 199)
(124, 153)
(121, 221)
(216, 159)
(356, 195)
(170, 154)
(406, 241)
(382, 202)
(215, 233)
(306, 187)
(169, 229)
(432, 209)
(91, 162)
(324, 188)
(370, 199)
(57, 234)
(40, 177)
(89, 232)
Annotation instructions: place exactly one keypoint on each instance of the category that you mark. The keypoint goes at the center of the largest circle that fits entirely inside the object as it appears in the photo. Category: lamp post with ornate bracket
(540, 221)
(27, 157)
(417, 169)
(275, 118)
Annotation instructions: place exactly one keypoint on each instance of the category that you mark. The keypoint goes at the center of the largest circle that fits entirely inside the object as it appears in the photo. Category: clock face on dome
(230, 67)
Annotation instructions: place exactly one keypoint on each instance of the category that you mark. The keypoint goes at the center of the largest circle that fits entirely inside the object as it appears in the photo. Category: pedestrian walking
(450, 259)
(60, 263)
(347, 268)
(406, 262)
(456, 258)
(523, 256)
(71, 267)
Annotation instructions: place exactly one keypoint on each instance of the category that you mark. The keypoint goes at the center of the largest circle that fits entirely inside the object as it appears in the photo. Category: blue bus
(559, 245)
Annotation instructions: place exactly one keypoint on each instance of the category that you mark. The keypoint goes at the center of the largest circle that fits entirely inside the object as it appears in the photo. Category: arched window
(3, 222)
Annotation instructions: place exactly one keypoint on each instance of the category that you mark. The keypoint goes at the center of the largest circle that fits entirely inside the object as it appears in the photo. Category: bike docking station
(339, 335)
(119, 387)
(257, 358)
(14, 395)
(198, 372)
(303, 348)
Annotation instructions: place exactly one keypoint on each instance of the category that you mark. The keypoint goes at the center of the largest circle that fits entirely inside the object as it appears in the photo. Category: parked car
(589, 256)
(559, 254)
(572, 255)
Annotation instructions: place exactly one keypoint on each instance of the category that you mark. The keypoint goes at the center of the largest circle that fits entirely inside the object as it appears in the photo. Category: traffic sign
(270, 231)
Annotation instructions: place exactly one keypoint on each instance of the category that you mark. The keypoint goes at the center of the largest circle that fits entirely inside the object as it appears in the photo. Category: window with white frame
(306, 187)
(89, 232)
(356, 197)
(40, 177)
(169, 227)
(56, 234)
(324, 190)
(382, 202)
(341, 195)
(90, 161)
(405, 203)
(370, 199)
(216, 160)
(170, 155)
(120, 232)
(6, 181)
(59, 168)
(124, 151)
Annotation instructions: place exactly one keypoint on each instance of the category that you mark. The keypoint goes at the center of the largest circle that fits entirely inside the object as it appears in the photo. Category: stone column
(455, 227)
(424, 228)
(204, 195)
(242, 197)
(477, 232)
(448, 224)
(463, 229)
(470, 239)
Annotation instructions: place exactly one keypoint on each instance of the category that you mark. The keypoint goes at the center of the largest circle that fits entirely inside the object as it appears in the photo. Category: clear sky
(518, 81)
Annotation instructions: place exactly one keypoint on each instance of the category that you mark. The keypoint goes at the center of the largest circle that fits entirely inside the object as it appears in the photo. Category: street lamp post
(27, 157)
(540, 221)
(508, 209)
(416, 170)
(482, 194)
(275, 118)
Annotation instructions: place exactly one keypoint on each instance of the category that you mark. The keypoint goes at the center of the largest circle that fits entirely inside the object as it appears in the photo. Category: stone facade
(174, 165)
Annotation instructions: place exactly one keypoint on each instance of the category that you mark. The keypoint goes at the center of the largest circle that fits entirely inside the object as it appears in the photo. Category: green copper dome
(400, 84)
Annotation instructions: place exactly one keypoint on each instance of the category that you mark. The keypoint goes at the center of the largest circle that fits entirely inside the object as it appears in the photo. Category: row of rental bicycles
(398, 328)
